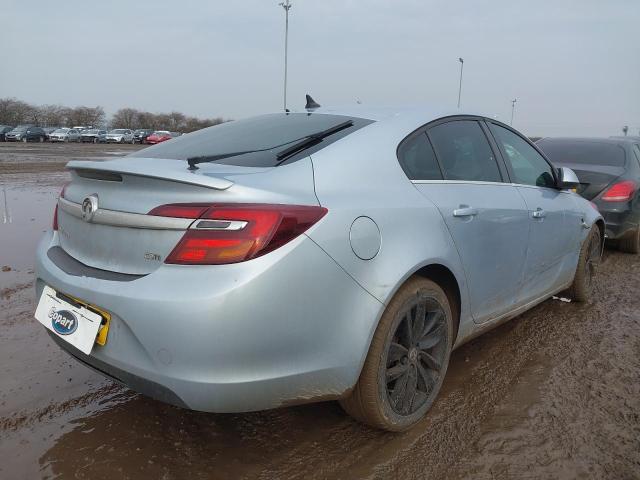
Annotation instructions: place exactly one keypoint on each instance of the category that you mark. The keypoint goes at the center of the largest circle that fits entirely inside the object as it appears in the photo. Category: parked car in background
(159, 136)
(335, 254)
(120, 135)
(48, 131)
(26, 133)
(65, 135)
(94, 135)
(140, 135)
(4, 129)
(609, 173)
(81, 128)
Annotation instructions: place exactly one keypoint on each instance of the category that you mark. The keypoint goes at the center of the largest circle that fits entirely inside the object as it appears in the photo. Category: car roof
(421, 112)
(604, 140)
(398, 120)
(628, 138)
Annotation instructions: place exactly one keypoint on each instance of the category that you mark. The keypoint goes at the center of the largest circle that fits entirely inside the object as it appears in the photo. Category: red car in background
(158, 137)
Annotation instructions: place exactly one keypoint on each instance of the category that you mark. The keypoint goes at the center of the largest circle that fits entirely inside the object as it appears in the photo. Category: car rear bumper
(620, 218)
(288, 327)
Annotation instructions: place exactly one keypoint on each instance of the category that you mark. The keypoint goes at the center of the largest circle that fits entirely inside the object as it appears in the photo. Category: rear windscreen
(265, 136)
(591, 153)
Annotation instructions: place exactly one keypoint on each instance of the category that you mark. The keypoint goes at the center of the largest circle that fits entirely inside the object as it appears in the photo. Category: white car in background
(65, 135)
(120, 135)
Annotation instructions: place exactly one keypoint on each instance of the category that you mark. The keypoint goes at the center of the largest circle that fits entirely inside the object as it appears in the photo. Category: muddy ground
(555, 393)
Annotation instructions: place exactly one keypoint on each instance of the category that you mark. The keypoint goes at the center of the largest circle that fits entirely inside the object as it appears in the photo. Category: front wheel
(588, 262)
(24, 140)
(407, 359)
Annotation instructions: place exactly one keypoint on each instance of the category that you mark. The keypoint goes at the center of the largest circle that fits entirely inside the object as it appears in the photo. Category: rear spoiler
(162, 169)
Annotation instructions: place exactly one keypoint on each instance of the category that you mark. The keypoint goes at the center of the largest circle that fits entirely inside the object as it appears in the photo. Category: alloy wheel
(416, 355)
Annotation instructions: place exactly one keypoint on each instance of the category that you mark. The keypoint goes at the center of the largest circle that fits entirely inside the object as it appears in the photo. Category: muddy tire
(584, 280)
(407, 359)
(630, 243)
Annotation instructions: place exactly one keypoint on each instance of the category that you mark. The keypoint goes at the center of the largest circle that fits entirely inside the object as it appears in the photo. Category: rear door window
(528, 166)
(464, 151)
(417, 158)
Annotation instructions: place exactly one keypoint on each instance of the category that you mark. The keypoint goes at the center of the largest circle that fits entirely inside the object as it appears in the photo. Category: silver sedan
(64, 135)
(119, 135)
(299, 257)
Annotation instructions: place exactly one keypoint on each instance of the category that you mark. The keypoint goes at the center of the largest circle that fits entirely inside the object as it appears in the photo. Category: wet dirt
(46, 157)
(554, 393)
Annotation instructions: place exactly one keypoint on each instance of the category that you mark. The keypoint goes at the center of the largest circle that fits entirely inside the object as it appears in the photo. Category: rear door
(454, 165)
(555, 222)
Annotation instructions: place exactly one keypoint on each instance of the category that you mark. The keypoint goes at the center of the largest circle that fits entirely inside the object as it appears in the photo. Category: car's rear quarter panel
(360, 176)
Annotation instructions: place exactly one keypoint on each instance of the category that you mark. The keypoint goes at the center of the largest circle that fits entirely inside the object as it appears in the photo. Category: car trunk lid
(593, 178)
(117, 234)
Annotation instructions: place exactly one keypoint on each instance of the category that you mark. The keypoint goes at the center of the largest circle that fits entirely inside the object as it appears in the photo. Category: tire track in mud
(108, 394)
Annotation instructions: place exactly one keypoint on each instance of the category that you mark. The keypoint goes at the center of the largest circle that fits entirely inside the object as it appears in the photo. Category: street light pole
(513, 107)
(461, 60)
(287, 6)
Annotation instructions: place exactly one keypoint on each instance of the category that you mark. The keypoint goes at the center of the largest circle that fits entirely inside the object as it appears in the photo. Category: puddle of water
(26, 212)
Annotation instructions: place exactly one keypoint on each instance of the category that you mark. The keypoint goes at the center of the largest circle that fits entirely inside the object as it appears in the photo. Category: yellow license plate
(103, 331)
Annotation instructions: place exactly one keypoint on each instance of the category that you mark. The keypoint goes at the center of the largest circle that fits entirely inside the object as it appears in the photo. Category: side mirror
(567, 179)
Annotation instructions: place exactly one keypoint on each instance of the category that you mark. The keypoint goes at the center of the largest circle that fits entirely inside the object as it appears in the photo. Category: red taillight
(55, 211)
(55, 218)
(620, 192)
(231, 233)
(180, 210)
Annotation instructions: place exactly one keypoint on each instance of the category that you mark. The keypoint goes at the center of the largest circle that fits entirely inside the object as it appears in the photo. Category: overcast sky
(574, 66)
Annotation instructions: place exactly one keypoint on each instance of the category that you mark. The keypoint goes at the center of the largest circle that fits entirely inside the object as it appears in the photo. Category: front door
(554, 223)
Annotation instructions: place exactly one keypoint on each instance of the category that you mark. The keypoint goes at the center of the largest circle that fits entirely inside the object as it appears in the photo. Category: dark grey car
(4, 129)
(609, 173)
(26, 133)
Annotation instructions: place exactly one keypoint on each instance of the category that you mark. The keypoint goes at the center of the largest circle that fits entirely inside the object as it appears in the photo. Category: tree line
(173, 121)
(16, 112)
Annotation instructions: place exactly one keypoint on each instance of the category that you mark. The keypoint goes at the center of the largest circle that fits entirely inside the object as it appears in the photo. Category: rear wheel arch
(444, 277)
(446, 280)
(600, 224)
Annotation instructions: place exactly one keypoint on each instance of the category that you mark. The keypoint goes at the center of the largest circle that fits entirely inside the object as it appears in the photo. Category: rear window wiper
(302, 144)
(310, 141)
(193, 161)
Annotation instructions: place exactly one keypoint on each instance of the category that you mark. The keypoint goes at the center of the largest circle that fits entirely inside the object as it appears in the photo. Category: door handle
(465, 211)
(539, 213)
